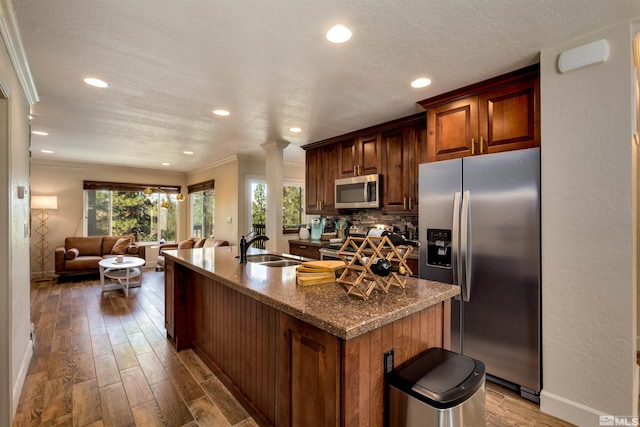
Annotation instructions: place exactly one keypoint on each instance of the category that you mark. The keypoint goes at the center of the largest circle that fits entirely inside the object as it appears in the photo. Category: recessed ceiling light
(187, 152)
(37, 132)
(166, 164)
(421, 82)
(221, 112)
(295, 129)
(46, 151)
(91, 81)
(339, 34)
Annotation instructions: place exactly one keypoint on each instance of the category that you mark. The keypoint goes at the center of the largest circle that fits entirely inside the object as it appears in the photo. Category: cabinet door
(400, 169)
(308, 375)
(347, 162)
(453, 129)
(321, 164)
(168, 298)
(368, 154)
(510, 116)
(312, 180)
(304, 250)
(327, 179)
(360, 156)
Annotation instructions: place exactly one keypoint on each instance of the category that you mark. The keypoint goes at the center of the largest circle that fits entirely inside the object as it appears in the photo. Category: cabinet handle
(410, 203)
(473, 146)
(355, 170)
(359, 170)
(302, 247)
(481, 144)
(404, 203)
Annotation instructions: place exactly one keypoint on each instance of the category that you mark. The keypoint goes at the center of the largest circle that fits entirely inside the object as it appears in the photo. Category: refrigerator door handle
(455, 240)
(465, 247)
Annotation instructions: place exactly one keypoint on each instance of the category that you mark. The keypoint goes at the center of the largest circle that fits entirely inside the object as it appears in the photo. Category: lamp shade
(44, 202)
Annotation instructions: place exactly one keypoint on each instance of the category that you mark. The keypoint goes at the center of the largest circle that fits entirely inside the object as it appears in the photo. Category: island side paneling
(363, 384)
(235, 335)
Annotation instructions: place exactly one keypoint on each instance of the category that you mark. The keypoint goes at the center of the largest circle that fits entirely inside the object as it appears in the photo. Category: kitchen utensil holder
(360, 253)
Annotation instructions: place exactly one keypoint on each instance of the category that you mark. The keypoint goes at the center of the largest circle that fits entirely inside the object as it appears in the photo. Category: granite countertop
(326, 306)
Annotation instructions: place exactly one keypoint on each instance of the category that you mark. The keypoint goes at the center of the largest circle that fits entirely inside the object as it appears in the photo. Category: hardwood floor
(103, 360)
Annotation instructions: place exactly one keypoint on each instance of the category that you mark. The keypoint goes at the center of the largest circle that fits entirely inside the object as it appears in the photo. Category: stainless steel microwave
(359, 192)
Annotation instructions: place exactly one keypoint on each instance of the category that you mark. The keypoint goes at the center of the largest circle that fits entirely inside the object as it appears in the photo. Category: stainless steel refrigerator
(479, 226)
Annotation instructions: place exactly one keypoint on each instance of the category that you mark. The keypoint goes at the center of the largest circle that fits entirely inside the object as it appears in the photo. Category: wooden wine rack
(358, 278)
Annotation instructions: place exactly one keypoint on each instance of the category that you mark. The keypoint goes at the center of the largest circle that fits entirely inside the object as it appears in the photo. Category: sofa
(82, 254)
(190, 243)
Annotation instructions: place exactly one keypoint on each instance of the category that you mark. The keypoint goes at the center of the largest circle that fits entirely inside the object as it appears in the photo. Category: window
(202, 199)
(118, 209)
(292, 206)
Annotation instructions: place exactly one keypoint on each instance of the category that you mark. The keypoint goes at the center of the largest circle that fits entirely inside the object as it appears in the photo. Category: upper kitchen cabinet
(359, 156)
(321, 173)
(401, 151)
(500, 114)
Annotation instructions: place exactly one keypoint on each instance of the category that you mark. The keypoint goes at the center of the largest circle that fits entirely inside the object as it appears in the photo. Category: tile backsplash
(367, 218)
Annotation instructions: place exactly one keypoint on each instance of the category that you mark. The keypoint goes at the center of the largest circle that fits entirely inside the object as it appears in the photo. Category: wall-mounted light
(581, 56)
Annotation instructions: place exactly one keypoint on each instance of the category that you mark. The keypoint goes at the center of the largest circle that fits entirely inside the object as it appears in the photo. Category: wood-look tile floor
(103, 360)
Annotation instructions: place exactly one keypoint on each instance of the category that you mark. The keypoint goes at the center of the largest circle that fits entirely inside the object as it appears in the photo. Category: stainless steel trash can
(439, 388)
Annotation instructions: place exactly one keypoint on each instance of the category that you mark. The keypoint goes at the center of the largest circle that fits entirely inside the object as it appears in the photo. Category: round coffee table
(124, 272)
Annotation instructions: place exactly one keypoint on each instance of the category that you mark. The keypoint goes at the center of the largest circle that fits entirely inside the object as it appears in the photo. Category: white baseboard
(569, 410)
(22, 376)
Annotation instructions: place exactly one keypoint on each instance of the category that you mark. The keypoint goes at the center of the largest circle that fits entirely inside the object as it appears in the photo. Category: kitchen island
(292, 355)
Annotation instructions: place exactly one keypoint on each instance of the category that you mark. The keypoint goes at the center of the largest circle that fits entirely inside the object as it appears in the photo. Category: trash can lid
(440, 378)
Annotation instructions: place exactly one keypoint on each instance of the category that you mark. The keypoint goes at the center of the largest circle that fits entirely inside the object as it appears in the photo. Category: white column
(274, 167)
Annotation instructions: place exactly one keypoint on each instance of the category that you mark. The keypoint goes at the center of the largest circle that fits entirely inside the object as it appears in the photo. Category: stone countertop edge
(325, 306)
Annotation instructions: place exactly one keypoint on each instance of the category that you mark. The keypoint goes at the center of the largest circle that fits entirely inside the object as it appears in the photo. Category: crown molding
(10, 34)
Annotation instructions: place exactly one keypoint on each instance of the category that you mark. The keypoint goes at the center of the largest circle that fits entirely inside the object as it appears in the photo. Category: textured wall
(588, 263)
(14, 246)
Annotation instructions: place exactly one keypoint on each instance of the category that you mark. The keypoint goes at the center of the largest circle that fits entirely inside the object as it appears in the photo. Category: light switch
(229, 220)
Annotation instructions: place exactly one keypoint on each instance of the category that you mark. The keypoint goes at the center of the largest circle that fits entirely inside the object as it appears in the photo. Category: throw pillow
(185, 244)
(71, 253)
(121, 246)
(133, 250)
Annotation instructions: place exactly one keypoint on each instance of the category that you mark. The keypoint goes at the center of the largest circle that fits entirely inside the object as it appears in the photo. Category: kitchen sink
(281, 263)
(269, 260)
(264, 258)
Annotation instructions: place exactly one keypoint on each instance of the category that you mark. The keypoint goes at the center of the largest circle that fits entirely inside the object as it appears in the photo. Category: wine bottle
(384, 267)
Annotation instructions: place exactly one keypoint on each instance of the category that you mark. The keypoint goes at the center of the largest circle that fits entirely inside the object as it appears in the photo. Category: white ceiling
(170, 63)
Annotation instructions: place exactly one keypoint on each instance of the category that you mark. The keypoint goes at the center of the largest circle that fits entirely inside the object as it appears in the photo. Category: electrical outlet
(388, 361)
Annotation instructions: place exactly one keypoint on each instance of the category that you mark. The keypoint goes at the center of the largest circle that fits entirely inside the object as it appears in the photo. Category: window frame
(201, 187)
(162, 193)
(286, 183)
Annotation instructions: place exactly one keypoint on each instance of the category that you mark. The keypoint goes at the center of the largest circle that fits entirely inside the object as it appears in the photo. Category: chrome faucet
(244, 245)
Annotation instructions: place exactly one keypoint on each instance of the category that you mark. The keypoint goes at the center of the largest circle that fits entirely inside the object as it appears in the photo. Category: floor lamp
(42, 205)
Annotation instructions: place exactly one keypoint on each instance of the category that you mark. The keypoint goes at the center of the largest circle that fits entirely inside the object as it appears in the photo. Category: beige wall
(588, 228)
(232, 178)
(15, 344)
(225, 176)
(64, 179)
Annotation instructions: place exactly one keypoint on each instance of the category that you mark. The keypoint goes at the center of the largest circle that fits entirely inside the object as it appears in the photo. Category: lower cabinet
(309, 375)
(307, 250)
